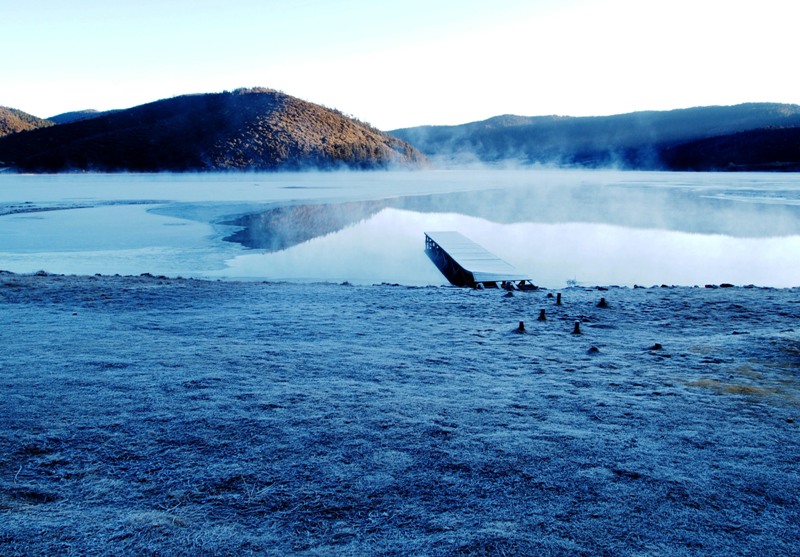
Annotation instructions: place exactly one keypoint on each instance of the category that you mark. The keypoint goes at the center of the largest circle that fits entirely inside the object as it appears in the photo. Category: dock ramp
(465, 263)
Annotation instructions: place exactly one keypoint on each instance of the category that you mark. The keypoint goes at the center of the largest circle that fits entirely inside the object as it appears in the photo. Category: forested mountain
(263, 129)
(247, 129)
(643, 140)
(74, 116)
(761, 149)
(13, 121)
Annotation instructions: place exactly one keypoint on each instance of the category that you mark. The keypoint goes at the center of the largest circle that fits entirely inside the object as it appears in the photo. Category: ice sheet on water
(125, 239)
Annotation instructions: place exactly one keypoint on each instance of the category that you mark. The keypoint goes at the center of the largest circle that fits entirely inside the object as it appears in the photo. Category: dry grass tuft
(731, 388)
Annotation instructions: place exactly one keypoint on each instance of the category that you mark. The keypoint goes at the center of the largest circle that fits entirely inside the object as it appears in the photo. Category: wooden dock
(465, 263)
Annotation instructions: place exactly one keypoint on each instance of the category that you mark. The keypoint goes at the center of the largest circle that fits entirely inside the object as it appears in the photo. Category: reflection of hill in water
(283, 227)
(687, 210)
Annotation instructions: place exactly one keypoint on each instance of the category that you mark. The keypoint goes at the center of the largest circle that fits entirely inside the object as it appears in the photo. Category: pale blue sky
(397, 64)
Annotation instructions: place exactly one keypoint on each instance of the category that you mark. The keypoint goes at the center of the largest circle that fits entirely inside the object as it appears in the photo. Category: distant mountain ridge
(669, 140)
(264, 129)
(247, 129)
(75, 115)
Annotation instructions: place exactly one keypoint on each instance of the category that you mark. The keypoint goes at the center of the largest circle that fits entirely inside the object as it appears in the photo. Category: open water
(559, 226)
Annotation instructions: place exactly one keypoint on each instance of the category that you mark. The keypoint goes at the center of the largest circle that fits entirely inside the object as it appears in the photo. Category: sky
(403, 63)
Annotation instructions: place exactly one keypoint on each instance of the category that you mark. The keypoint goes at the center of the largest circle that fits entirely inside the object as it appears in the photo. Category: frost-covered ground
(154, 416)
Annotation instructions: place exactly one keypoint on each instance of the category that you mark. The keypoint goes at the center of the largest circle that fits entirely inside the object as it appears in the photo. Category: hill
(74, 116)
(248, 129)
(13, 121)
(644, 140)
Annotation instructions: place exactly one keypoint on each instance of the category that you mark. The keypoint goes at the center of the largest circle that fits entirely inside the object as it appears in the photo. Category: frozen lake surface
(559, 227)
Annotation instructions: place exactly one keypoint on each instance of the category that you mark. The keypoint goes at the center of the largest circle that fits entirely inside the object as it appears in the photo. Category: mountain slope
(74, 116)
(13, 121)
(760, 149)
(248, 129)
(635, 140)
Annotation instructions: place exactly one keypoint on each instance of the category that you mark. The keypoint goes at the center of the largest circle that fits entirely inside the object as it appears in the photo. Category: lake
(559, 226)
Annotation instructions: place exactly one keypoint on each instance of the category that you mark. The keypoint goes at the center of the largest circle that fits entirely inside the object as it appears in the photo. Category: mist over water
(586, 227)
(682, 229)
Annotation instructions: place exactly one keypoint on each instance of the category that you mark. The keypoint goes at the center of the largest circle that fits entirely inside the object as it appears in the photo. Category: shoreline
(312, 282)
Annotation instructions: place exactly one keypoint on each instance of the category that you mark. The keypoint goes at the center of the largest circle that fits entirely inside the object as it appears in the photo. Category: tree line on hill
(247, 129)
(753, 136)
(14, 121)
(264, 129)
